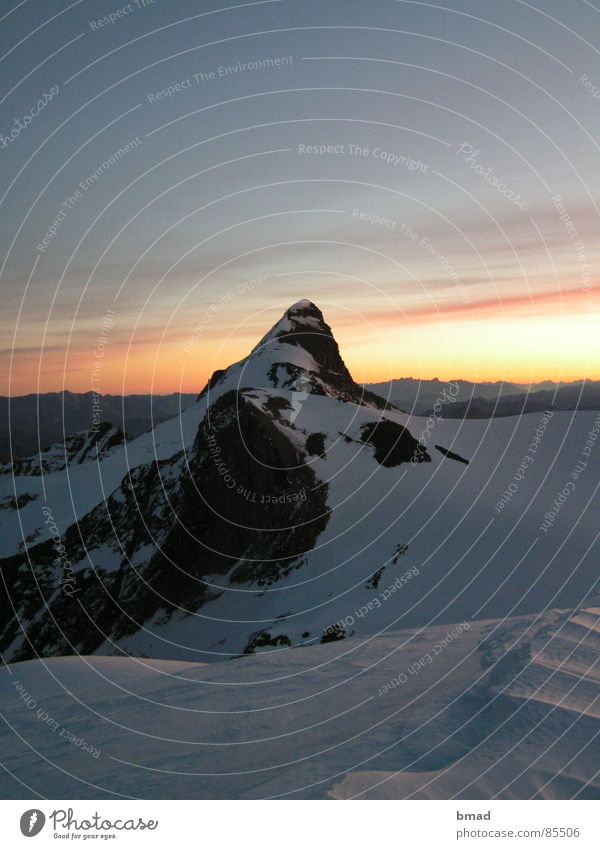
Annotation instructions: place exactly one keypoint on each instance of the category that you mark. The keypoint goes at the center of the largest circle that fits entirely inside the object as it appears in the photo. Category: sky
(175, 175)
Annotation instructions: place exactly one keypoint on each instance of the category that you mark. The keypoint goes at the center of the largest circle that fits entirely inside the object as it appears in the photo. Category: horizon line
(500, 380)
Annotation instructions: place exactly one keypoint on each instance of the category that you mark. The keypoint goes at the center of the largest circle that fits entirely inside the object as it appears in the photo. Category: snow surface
(314, 723)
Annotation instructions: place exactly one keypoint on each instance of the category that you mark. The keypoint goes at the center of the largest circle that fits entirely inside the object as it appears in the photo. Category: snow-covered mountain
(319, 596)
(93, 444)
(289, 507)
(28, 422)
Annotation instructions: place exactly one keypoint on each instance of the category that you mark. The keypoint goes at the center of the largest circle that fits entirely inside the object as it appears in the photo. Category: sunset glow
(512, 340)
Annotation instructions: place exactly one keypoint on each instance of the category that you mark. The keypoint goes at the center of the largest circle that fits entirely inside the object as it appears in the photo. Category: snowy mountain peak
(304, 307)
(303, 315)
(299, 348)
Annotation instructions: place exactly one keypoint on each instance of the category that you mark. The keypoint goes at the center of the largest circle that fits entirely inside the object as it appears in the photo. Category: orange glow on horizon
(520, 339)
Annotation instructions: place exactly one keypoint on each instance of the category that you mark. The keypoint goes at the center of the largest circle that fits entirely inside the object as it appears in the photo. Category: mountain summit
(303, 325)
(298, 353)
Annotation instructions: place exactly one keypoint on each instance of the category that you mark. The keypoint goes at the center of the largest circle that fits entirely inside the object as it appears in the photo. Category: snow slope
(500, 709)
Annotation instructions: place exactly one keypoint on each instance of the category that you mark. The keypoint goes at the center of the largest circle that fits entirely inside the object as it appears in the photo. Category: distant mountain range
(486, 400)
(33, 422)
(574, 396)
(39, 421)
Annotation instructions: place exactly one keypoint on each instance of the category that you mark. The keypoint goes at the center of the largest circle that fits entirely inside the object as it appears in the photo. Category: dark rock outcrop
(393, 444)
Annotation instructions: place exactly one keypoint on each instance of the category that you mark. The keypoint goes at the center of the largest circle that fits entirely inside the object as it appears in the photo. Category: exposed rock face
(451, 455)
(393, 444)
(248, 509)
(305, 327)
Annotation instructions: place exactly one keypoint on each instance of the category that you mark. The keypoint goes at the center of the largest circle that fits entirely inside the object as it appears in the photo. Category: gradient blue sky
(217, 193)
